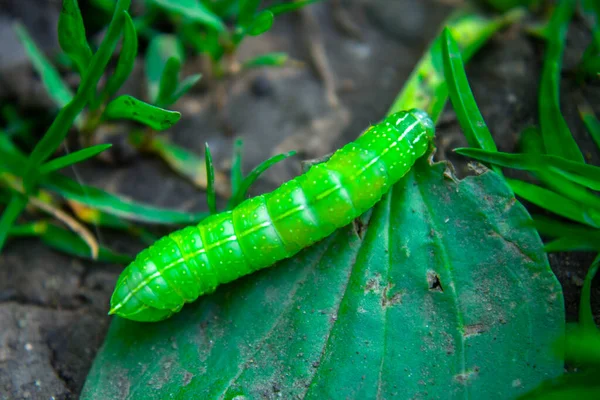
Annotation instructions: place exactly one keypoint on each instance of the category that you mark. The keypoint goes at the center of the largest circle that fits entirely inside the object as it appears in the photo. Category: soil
(53, 307)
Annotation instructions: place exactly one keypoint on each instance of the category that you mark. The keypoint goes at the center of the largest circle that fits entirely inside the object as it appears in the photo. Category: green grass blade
(168, 82)
(582, 174)
(59, 92)
(211, 197)
(115, 204)
(63, 121)
(193, 10)
(261, 23)
(426, 88)
(71, 35)
(73, 158)
(558, 139)
(555, 203)
(591, 122)
(275, 59)
(570, 237)
(12, 211)
(128, 107)
(586, 317)
(289, 7)
(184, 86)
(565, 244)
(237, 174)
(531, 142)
(247, 9)
(67, 242)
(239, 195)
(463, 101)
(161, 49)
(129, 50)
(188, 164)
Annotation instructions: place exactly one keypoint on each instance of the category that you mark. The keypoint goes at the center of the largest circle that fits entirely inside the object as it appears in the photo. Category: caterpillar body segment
(193, 261)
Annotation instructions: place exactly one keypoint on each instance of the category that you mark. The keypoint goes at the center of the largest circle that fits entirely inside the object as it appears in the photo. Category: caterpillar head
(425, 121)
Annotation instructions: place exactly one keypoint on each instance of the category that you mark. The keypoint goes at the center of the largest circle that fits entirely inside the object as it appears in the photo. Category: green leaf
(571, 237)
(261, 23)
(66, 242)
(581, 386)
(555, 203)
(240, 194)
(583, 174)
(463, 101)
(128, 107)
(126, 61)
(531, 142)
(168, 82)
(10, 214)
(117, 205)
(586, 317)
(71, 35)
(275, 59)
(193, 10)
(247, 10)
(237, 175)
(188, 164)
(63, 121)
(211, 197)
(505, 5)
(59, 92)
(183, 87)
(426, 88)
(591, 122)
(557, 137)
(290, 6)
(73, 158)
(438, 289)
(161, 49)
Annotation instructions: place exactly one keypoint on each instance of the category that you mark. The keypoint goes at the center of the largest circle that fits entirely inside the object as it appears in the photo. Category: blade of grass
(564, 244)
(279, 9)
(591, 122)
(275, 59)
(188, 164)
(463, 101)
(65, 241)
(63, 121)
(570, 237)
(531, 142)
(73, 158)
(126, 62)
(183, 87)
(116, 205)
(558, 139)
(555, 203)
(426, 88)
(161, 49)
(247, 9)
(55, 87)
(194, 10)
(236, 166)
(583, 174)
(586, 317)
(128, 107)
(211, 197)
(12, 211)
(71, 35)
(168, 82)
(242, 191)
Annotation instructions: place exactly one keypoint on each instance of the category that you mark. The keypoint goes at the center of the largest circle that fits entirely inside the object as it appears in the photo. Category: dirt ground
(53, 307)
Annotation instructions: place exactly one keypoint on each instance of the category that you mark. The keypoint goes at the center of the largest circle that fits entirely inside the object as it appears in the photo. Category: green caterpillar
(262, 230)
